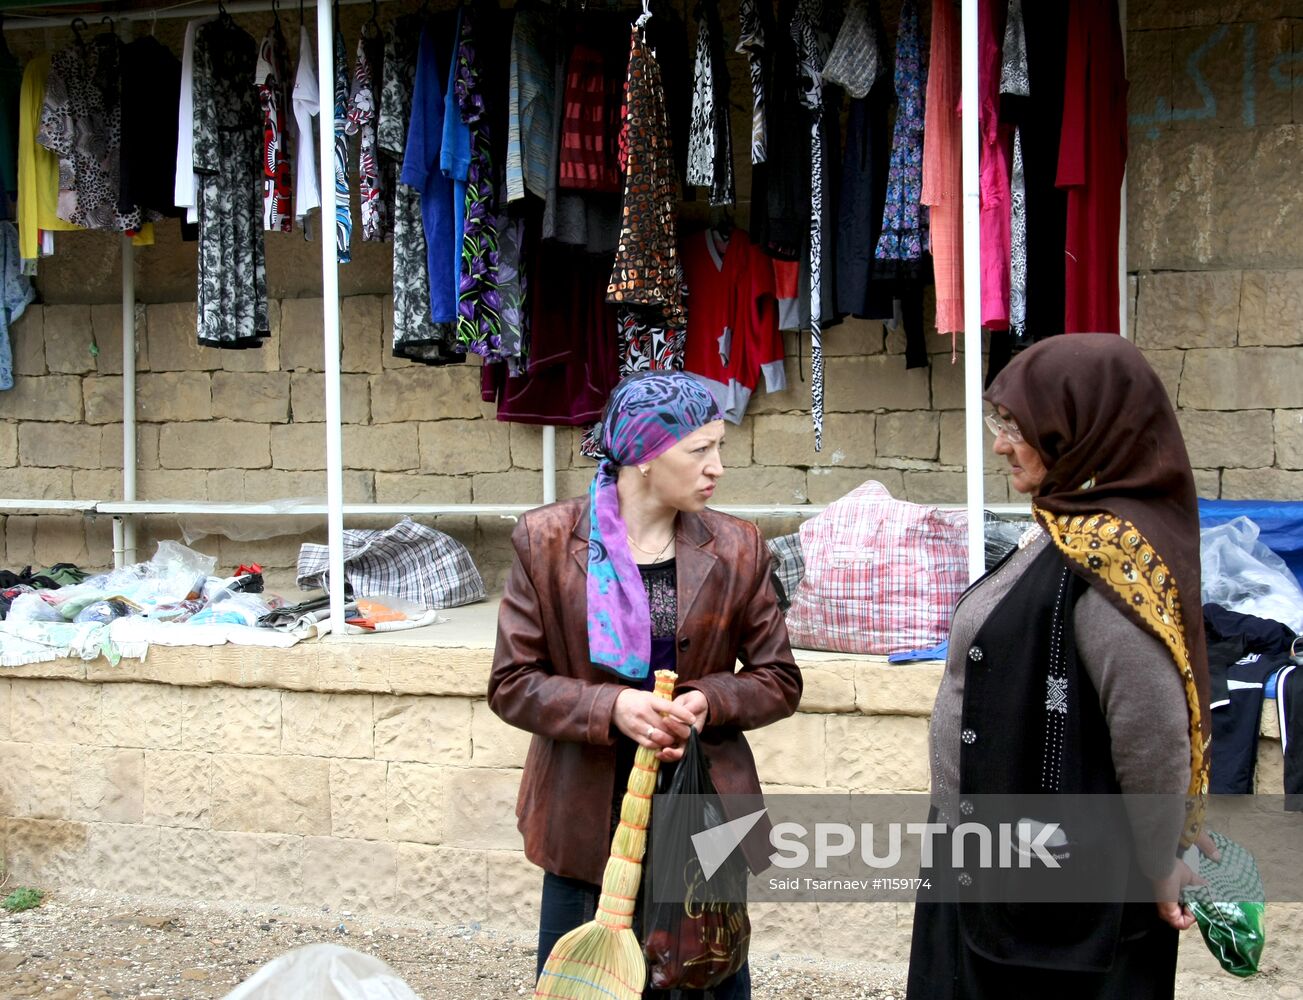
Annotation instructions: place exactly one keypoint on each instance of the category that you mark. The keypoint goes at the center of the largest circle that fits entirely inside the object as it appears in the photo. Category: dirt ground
(84, 945)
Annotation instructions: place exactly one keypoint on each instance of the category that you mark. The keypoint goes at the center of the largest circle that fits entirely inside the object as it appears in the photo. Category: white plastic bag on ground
(1242, 574)
(324, 972)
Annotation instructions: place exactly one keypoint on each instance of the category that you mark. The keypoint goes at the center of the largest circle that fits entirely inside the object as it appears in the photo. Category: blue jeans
(569, 902)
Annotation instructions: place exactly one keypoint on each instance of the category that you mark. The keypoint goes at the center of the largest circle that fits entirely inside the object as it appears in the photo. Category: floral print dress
(343, 208)
(375, 180)
(479, 301)
(231, 300)
(272, 80)
(904, 226)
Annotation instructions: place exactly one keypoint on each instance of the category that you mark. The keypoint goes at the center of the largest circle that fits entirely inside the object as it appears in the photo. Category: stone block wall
(315, 776)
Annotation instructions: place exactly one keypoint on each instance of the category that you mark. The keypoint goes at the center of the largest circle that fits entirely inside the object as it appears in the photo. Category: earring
(643, 470)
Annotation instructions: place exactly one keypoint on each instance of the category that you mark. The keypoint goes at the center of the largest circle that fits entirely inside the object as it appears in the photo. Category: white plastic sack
(1242, 574)
(324, 972)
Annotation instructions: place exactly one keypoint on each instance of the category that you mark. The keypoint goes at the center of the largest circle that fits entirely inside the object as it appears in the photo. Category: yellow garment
(38, 168)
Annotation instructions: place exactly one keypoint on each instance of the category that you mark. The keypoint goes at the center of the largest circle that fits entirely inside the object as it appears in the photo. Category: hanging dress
(306, 101)
(811, 54)
(231, 299)
(271, 76)
(904, 225)
(375, 185)
(710, 144)
(479, 300)
(81, 122)
(646, 270)
(416, 336)
(751, 43)
(995, 167)
(942, 188)
(1092, 162)
(343, 207)
(1015, 83)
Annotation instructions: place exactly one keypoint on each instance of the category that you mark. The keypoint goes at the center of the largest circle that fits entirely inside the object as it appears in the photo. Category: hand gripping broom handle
(623, 873)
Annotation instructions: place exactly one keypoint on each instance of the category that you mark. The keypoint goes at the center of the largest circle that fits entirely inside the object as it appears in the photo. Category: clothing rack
(124, 548)
(16, 20)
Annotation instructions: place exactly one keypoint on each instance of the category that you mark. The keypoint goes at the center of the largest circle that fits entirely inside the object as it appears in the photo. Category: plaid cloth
(881, 575)
(789, 561)
(408, 560)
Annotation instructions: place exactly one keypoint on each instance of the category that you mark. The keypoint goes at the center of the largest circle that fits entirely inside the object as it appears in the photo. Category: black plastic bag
(695, 930)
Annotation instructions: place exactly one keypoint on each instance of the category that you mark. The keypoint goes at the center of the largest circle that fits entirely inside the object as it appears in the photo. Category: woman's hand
(1167, 891)
(654, 722)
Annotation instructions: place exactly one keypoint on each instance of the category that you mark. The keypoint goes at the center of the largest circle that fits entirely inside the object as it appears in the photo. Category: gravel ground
(84, 945)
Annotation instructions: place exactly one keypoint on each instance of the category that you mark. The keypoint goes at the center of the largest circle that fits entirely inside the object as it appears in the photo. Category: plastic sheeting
(324, 972)
(1279, 521)
(1242, 574)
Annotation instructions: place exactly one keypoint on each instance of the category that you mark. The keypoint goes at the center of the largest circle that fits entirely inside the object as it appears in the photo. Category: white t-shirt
(186, 188)
(307, 103)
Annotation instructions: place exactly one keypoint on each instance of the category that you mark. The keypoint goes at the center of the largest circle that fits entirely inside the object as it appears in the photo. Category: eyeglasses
(997, 425)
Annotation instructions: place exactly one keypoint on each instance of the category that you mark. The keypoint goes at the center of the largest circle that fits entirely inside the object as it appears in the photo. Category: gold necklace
(657, 556)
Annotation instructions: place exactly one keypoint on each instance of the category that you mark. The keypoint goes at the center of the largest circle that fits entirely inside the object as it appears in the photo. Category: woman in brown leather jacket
(604, 591)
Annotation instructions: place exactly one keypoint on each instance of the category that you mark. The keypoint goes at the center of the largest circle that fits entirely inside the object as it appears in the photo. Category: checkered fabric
(408, 560)
(789, 561)
(881, 575)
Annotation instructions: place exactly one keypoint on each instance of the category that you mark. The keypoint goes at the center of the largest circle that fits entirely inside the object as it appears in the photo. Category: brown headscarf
(1118, 497)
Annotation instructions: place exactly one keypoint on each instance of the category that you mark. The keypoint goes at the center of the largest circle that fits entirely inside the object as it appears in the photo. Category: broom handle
(623, 874)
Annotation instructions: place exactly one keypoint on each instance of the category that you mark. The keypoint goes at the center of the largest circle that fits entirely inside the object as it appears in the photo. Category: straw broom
(602, 959)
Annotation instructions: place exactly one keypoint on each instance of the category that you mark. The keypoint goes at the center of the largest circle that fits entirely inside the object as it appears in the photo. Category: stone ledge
(850, 684)
(453, 659)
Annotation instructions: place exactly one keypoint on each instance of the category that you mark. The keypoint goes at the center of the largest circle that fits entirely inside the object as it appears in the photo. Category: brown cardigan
(543, 681)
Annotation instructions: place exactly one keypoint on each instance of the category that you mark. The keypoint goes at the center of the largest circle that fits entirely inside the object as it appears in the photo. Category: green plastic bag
(1230, 908)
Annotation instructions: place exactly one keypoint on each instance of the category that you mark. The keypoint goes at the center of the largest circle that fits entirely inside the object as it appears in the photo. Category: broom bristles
(594, 962)
(602, 959)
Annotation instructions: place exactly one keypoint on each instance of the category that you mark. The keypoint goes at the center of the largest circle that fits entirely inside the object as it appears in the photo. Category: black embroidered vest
(1032, 725)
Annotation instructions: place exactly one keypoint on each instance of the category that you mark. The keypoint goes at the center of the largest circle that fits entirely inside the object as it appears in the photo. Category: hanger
(645, 16)
(373, 22)
(224, 16)
(276, 14)
(77, 24)
(109, 21)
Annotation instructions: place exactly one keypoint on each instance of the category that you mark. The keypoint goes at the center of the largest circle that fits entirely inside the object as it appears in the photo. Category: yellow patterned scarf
(1112, 551)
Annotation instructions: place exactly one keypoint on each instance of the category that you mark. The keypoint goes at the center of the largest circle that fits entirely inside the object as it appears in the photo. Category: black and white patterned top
(856, 60)
(231, 301)
(81, 123)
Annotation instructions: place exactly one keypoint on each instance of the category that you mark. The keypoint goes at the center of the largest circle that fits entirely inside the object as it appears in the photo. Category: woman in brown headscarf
(1077, 666)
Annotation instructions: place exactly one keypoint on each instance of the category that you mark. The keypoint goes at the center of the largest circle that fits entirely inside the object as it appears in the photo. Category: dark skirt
(943, 967)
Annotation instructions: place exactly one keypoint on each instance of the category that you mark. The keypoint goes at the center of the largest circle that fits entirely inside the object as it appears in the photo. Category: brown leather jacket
(543, 681)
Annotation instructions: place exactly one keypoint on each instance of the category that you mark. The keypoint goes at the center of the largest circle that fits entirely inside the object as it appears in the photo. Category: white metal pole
(972, 293)
(549, 463)
(129, 462)
(1124, 297)
(330, 315)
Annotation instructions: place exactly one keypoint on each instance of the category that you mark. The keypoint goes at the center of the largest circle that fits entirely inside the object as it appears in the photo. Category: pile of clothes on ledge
(399, 576)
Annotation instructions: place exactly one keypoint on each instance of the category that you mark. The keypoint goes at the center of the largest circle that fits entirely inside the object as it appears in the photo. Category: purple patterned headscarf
(647, 414)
